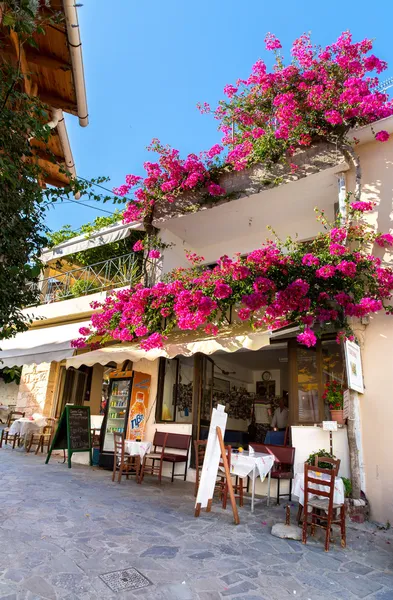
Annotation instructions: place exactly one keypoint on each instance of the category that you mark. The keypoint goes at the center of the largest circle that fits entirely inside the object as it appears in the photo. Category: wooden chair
(5, 436)
(177, 441)
(95, 437)
(324, 512)
(335, 462)
(159, 441)
(284, 458)
(40, 439)
(123, 463)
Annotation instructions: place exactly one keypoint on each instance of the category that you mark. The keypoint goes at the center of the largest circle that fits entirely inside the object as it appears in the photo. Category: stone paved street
(61, 529)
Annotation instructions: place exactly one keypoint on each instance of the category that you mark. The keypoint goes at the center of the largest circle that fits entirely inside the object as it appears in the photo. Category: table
(246, 464)
(134, 448)
(24, 426)
(298, 488)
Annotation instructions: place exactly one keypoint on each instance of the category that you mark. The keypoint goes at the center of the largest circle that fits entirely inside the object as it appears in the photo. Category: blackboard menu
(79, 431)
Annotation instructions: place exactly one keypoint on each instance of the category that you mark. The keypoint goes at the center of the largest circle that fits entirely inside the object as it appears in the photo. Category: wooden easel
(228, 483)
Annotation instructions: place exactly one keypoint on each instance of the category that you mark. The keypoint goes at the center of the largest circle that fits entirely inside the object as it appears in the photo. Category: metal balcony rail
(106, 275)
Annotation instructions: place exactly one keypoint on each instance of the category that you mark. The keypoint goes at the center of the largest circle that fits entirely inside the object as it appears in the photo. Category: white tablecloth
(243, 463)
(26, 426)
(298, 488)
(137, 448)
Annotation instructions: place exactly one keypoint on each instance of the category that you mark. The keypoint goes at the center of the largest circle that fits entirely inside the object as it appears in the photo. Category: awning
(114, 233)
(40, 345)
(177, 345)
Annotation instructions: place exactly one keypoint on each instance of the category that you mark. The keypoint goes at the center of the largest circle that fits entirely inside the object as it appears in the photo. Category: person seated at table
(280, 417)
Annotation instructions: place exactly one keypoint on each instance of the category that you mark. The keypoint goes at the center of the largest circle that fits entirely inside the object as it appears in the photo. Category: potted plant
(312, 458)
(334, 397)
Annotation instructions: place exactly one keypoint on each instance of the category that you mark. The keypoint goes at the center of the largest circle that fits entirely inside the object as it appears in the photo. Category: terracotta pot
(338, 415)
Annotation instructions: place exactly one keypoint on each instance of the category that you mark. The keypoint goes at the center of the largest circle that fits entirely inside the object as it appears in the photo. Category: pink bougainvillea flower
(310, 260)
(308, 338)
(230, 90)
(337, 249)
(384, 239)
(154, 253)
(214, 151)
(156, 340)
(325, 272)
(382, 136)
(222, 290)
(215, 190)
(141, 330)
(138, 246)
(362, 206)
(271, 42)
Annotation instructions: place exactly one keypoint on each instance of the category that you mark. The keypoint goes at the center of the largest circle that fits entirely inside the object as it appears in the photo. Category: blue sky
(147, 64)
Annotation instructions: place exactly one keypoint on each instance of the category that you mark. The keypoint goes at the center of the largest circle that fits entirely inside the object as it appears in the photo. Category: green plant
(11, 375)
(334, 395)
(312, 457)
(347, 487)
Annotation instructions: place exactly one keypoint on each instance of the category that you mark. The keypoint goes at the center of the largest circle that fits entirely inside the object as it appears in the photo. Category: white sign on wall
(329, 425)
(354, 366)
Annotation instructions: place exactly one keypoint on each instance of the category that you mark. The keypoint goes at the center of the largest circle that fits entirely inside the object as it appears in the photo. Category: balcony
(106, 275)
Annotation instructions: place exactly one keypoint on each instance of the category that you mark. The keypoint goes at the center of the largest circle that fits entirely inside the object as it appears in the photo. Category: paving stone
(355, 567)
(385, 579)
(323, 561)
(283, 531)
(239, 588)
(202, 555)
(383, 596)
(38, 585)
(209, 596)
(361, 587)
(231, 578)
(161, 551)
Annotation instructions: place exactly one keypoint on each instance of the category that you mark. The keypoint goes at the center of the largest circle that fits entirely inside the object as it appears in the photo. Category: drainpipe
(342, 194)
(58, 121)
(75, 45)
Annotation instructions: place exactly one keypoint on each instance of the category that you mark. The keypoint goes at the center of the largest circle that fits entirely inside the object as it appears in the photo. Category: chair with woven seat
(5, 433)
(324, 512)
(126, 465)
(149, 466)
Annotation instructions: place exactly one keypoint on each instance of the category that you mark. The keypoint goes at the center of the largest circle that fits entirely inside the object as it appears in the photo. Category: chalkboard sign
(73, 432)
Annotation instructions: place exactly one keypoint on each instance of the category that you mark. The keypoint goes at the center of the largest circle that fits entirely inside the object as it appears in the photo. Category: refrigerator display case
(116, 416)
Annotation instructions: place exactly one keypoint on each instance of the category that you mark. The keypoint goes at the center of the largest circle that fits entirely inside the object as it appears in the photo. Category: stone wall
(37, 388)
(8, 393)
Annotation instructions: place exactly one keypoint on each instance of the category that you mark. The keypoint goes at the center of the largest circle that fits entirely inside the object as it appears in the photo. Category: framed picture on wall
(221, 385)
(265, 389)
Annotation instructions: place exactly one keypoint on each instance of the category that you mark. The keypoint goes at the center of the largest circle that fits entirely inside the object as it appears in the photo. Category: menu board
(73, 432)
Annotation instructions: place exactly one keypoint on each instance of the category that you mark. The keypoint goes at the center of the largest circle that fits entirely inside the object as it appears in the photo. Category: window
(74, 388)
(311, 369)
(175, 390)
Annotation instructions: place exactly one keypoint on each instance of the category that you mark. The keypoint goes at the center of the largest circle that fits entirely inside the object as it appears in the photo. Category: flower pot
(338, 415)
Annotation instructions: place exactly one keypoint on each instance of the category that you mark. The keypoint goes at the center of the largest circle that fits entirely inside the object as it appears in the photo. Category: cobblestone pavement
(61, 529)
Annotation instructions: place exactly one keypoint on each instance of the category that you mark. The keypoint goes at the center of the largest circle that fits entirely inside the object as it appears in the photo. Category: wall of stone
(37, 388)
(8, 393)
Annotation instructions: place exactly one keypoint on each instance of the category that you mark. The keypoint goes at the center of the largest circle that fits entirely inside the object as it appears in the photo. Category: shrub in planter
(334, 397)
(312, 457)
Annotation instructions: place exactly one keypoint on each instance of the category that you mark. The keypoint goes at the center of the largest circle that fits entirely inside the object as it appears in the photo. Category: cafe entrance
(252, 385)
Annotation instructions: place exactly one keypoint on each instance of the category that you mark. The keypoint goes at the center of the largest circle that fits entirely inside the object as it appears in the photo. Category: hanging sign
(138, 406)
(353, 361)
(346, 404)
(329, 425)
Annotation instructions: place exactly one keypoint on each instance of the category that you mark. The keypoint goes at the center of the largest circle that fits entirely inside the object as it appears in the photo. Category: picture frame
(221, 385)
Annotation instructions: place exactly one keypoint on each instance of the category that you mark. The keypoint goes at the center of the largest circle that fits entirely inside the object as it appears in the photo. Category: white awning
(40, 345)
(114, 233)
(174, 347)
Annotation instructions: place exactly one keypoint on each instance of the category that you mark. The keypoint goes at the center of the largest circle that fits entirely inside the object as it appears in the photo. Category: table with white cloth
(25, 426)
(134, 448)
(298, 488)
(252, 464)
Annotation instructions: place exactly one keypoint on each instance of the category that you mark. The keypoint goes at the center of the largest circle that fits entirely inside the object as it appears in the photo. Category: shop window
(311, 369)
(175, 391)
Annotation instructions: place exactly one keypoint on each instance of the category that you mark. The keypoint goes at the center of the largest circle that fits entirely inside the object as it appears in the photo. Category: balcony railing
(106, 275)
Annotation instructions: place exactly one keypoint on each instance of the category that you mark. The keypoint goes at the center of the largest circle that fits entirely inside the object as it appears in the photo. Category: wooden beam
(38, 59)
(58, 102)
(47, 156)
(21, 57)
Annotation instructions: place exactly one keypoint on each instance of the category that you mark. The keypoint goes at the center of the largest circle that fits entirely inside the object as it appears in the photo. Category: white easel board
(212, 457)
